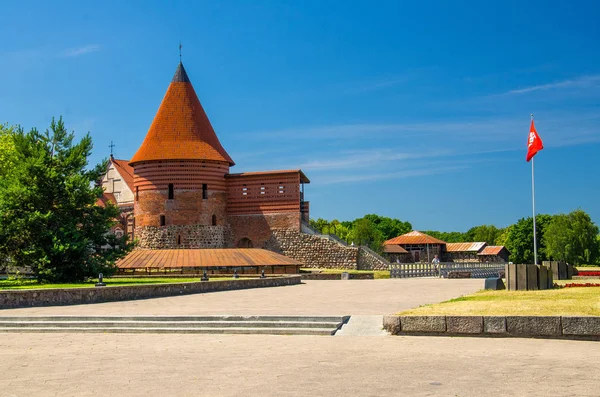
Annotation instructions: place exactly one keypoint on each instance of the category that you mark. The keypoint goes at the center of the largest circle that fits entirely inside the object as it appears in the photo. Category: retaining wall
(77, 296)
(572, 327)
(313, 251)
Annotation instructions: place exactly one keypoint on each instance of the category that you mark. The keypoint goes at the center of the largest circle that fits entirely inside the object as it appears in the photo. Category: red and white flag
(534, 142)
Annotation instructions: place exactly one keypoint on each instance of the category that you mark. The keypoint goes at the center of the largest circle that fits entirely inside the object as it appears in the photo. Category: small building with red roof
(494, 254)
(420, 246)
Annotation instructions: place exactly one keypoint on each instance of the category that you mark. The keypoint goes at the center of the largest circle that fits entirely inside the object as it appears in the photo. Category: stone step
(221, 318)
(168, 324)
(167, 330)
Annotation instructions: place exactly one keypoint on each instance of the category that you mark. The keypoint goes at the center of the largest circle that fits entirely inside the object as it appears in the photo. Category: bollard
(100, 282)
(235, 275)
(204, 276)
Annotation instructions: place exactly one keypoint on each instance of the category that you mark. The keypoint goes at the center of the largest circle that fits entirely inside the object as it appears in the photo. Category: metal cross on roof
(111, 146)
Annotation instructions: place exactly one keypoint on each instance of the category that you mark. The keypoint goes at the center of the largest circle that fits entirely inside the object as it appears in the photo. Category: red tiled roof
(414, 237)
(464, 247)
(181, 130)
(303, 177)
(125, 170)
(394, 249)
(492, 250)
(106, 197)
(218, 257)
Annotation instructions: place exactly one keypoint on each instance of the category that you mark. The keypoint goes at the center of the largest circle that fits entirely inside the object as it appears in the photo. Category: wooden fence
(477, 269)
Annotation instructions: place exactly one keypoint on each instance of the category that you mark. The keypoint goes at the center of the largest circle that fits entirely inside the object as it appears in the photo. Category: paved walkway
(351, 297)
(251, 365)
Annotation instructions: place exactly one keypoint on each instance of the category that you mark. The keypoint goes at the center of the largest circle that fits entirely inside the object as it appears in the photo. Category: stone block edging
(572, 327)
(77, 296)
(336, 276)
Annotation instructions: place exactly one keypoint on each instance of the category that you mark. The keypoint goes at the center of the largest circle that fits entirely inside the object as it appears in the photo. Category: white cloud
(78, 51)
(583, 81)
(347, 178)
(365, 158)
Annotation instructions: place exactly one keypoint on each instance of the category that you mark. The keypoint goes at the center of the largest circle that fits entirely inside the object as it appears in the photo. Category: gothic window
(162, 220)
(171, 191)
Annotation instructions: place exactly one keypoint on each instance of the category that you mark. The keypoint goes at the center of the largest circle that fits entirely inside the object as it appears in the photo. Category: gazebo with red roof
(421, 247)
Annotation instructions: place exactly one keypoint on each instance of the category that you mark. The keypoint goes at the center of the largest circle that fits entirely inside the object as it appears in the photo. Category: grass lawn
(589, 268)
(110, 282)
(583, 281)
(377, 274)
(555, 302)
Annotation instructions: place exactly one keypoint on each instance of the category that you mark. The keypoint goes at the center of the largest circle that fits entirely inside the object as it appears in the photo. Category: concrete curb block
(533, 326)
(570, 327)
(78, 296)
(464, 324)
(588, 326)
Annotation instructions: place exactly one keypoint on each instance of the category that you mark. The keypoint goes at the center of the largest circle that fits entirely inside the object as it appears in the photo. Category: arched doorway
(245, 243)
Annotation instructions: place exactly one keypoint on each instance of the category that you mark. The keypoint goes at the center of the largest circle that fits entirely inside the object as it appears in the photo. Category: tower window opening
(171, 191)
(179, 239)
(162, 220)
(137, 193)
(204, 191)
(214, 220)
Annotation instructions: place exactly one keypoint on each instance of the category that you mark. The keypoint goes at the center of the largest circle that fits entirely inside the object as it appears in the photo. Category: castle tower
(179, 187)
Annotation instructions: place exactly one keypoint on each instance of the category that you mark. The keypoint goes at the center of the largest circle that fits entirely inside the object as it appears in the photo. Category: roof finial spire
(111, 146)
(180, 51)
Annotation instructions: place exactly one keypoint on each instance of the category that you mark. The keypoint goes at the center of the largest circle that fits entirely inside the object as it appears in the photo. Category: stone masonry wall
(78, 296)
(312, 250)
(183, 236)
(368, 261)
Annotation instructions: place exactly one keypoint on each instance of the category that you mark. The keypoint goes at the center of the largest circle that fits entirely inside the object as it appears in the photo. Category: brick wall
(313, 250)
(259, 228)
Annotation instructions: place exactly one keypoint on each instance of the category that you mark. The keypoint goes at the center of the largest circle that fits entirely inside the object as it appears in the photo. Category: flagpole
(533, 208)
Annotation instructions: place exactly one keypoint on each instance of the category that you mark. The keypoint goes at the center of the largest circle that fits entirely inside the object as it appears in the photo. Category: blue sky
(418, 111)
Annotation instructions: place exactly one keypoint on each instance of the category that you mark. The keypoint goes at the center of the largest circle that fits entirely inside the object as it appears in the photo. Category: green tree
(48, 218)
(319, 225)
(7, 149)
(389, 227)
(519, 240)
(485, 233)
(503, 236)
(364, 232)
(448, 237)
(572, 238)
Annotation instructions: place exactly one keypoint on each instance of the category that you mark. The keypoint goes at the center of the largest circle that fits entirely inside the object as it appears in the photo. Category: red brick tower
(180, 188)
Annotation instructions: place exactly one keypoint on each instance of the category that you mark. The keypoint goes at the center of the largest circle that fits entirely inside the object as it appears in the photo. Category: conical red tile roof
(181, 130)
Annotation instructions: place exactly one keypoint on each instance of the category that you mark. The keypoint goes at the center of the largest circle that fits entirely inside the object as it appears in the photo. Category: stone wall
(184, 236)
(312, 250)
(77, 296)
(370, 261)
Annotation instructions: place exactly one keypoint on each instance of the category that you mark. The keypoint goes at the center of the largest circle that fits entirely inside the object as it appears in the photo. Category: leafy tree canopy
(7, 149)
(572, 238)
(48, 218)
(519, 240)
